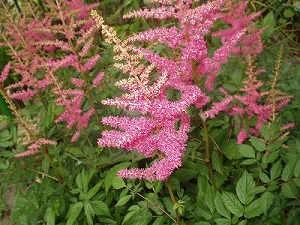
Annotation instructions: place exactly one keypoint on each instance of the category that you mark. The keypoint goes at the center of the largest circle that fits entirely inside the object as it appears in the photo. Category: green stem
(207, 154)
(171, 193)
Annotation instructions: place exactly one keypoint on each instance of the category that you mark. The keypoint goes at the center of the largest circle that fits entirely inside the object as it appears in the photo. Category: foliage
(229, 121)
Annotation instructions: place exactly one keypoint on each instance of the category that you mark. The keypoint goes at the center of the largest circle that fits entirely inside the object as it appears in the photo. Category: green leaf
(216, 161)
(73, 213)
(264, 177)
(109, 175)
(159, 220)
(266, 200)
(232, 204)
(288, 170)
(289, 190)
(203, 212)
(222, 221)
(258, 144)
(128, 216)
(231, 150)
(123, 200)
(202, 223)
(100, 208)
(288, 13)
(259, 189)
(297, 169)
(249, 162)
(4, 166)
(89, 213)
(185, 174)
(243, 222)
(247, 151)
(275, 170)
(50, 216)
(253, 210)
(209, 197)
(93, 191)
(245, 187)
(221, 207)
(5, 144)
(118, 183)
(265, 132)
(141, 217)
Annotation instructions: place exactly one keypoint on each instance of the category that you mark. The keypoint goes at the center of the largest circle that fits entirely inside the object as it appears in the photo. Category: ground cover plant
(149, 112)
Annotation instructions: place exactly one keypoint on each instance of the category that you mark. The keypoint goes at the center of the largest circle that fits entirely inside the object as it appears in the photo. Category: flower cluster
(34, 148)
(42, 47)
(190, 37)
(157, 129)
(163, 124)
(251, 103)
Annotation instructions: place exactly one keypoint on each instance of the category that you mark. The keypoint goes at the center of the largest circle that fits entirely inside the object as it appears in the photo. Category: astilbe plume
(44, 45)
(35, 147)
(190, 36)
(251, 103)
(156, 128)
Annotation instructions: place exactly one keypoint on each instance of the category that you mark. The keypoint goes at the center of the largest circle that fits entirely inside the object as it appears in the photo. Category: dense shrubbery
(206, 106)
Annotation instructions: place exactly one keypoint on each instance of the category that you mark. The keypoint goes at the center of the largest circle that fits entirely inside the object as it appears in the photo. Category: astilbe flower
(35, 147)
(43, 46)
(156, 129)
(251, 103)
(194, 25)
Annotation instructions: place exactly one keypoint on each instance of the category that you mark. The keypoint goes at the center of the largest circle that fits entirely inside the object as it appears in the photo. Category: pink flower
(34, 148)
(4, 73)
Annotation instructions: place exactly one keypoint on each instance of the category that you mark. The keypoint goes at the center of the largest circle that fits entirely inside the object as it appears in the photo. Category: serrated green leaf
(249, 162)
(266, 200)
(100, 208)
(93, 191)
(202, 223)
(246, 151)
(159, 220)
(265, 132)
(49, 216)
(216, 161)
(245, 187)
(275, 170)
(222, 221)
(89, 213)
(232, 204)
(209, 197)
(6, 144)
(123, 200)
(4, 166)
(297, 169)
(264, 177)
(118, 183)
(113, 173)
(221, 207)
(258, 144)
(259, 189)
(288, 170)
(231, 150)
(289, 190)
(253, 210)
(243, 222)
(73, 213)
(288, 13)
(128, 216)
(206, 214)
